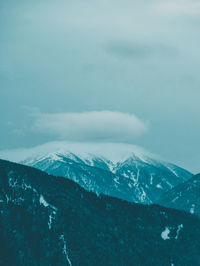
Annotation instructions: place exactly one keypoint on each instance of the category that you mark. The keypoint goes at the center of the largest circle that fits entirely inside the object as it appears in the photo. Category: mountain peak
(120, 170)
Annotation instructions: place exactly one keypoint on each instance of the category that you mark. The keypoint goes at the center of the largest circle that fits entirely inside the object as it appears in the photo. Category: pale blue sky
(123, 56)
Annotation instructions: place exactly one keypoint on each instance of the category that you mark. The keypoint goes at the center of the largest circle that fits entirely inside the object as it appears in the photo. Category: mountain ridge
(185, 196)
(140, 179)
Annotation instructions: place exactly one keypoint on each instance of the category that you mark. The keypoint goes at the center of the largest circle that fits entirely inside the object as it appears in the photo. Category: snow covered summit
(120, 170)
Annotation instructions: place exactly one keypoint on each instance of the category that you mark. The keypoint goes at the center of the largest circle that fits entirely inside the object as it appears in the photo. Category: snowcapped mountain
(123, 171)
(185, 196)
(48, 220)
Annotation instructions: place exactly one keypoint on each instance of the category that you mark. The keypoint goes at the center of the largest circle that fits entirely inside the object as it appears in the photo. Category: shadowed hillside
(48, 220)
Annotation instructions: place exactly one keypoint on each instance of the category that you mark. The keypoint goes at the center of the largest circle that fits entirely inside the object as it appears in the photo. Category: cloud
(178, 7)
(138, 50)
(113, 151)
(90, 126)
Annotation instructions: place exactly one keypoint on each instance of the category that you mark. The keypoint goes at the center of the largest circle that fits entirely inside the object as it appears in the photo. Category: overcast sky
(102, 70)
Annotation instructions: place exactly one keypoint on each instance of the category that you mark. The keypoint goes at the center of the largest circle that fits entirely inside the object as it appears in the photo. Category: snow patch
(138, 172)
(51, 218)
(125, 175)
(192, 209)
(14, 184)
(45, 203)
(62, 238)
(178, 230)
(143, 196)
(26, 187)
(52, 210)
(116, 181)
(167, 182)
(151, 180)
(165, 233)
(172, 170)
(175, 199)
(17, 201)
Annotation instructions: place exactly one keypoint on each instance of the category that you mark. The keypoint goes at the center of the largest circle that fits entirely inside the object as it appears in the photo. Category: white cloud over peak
(90, 126)
(114, 152)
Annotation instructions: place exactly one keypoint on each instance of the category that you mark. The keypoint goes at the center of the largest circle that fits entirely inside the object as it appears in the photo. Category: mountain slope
(128, 174)
(185, 196)
(48, 220)
(92, 178)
